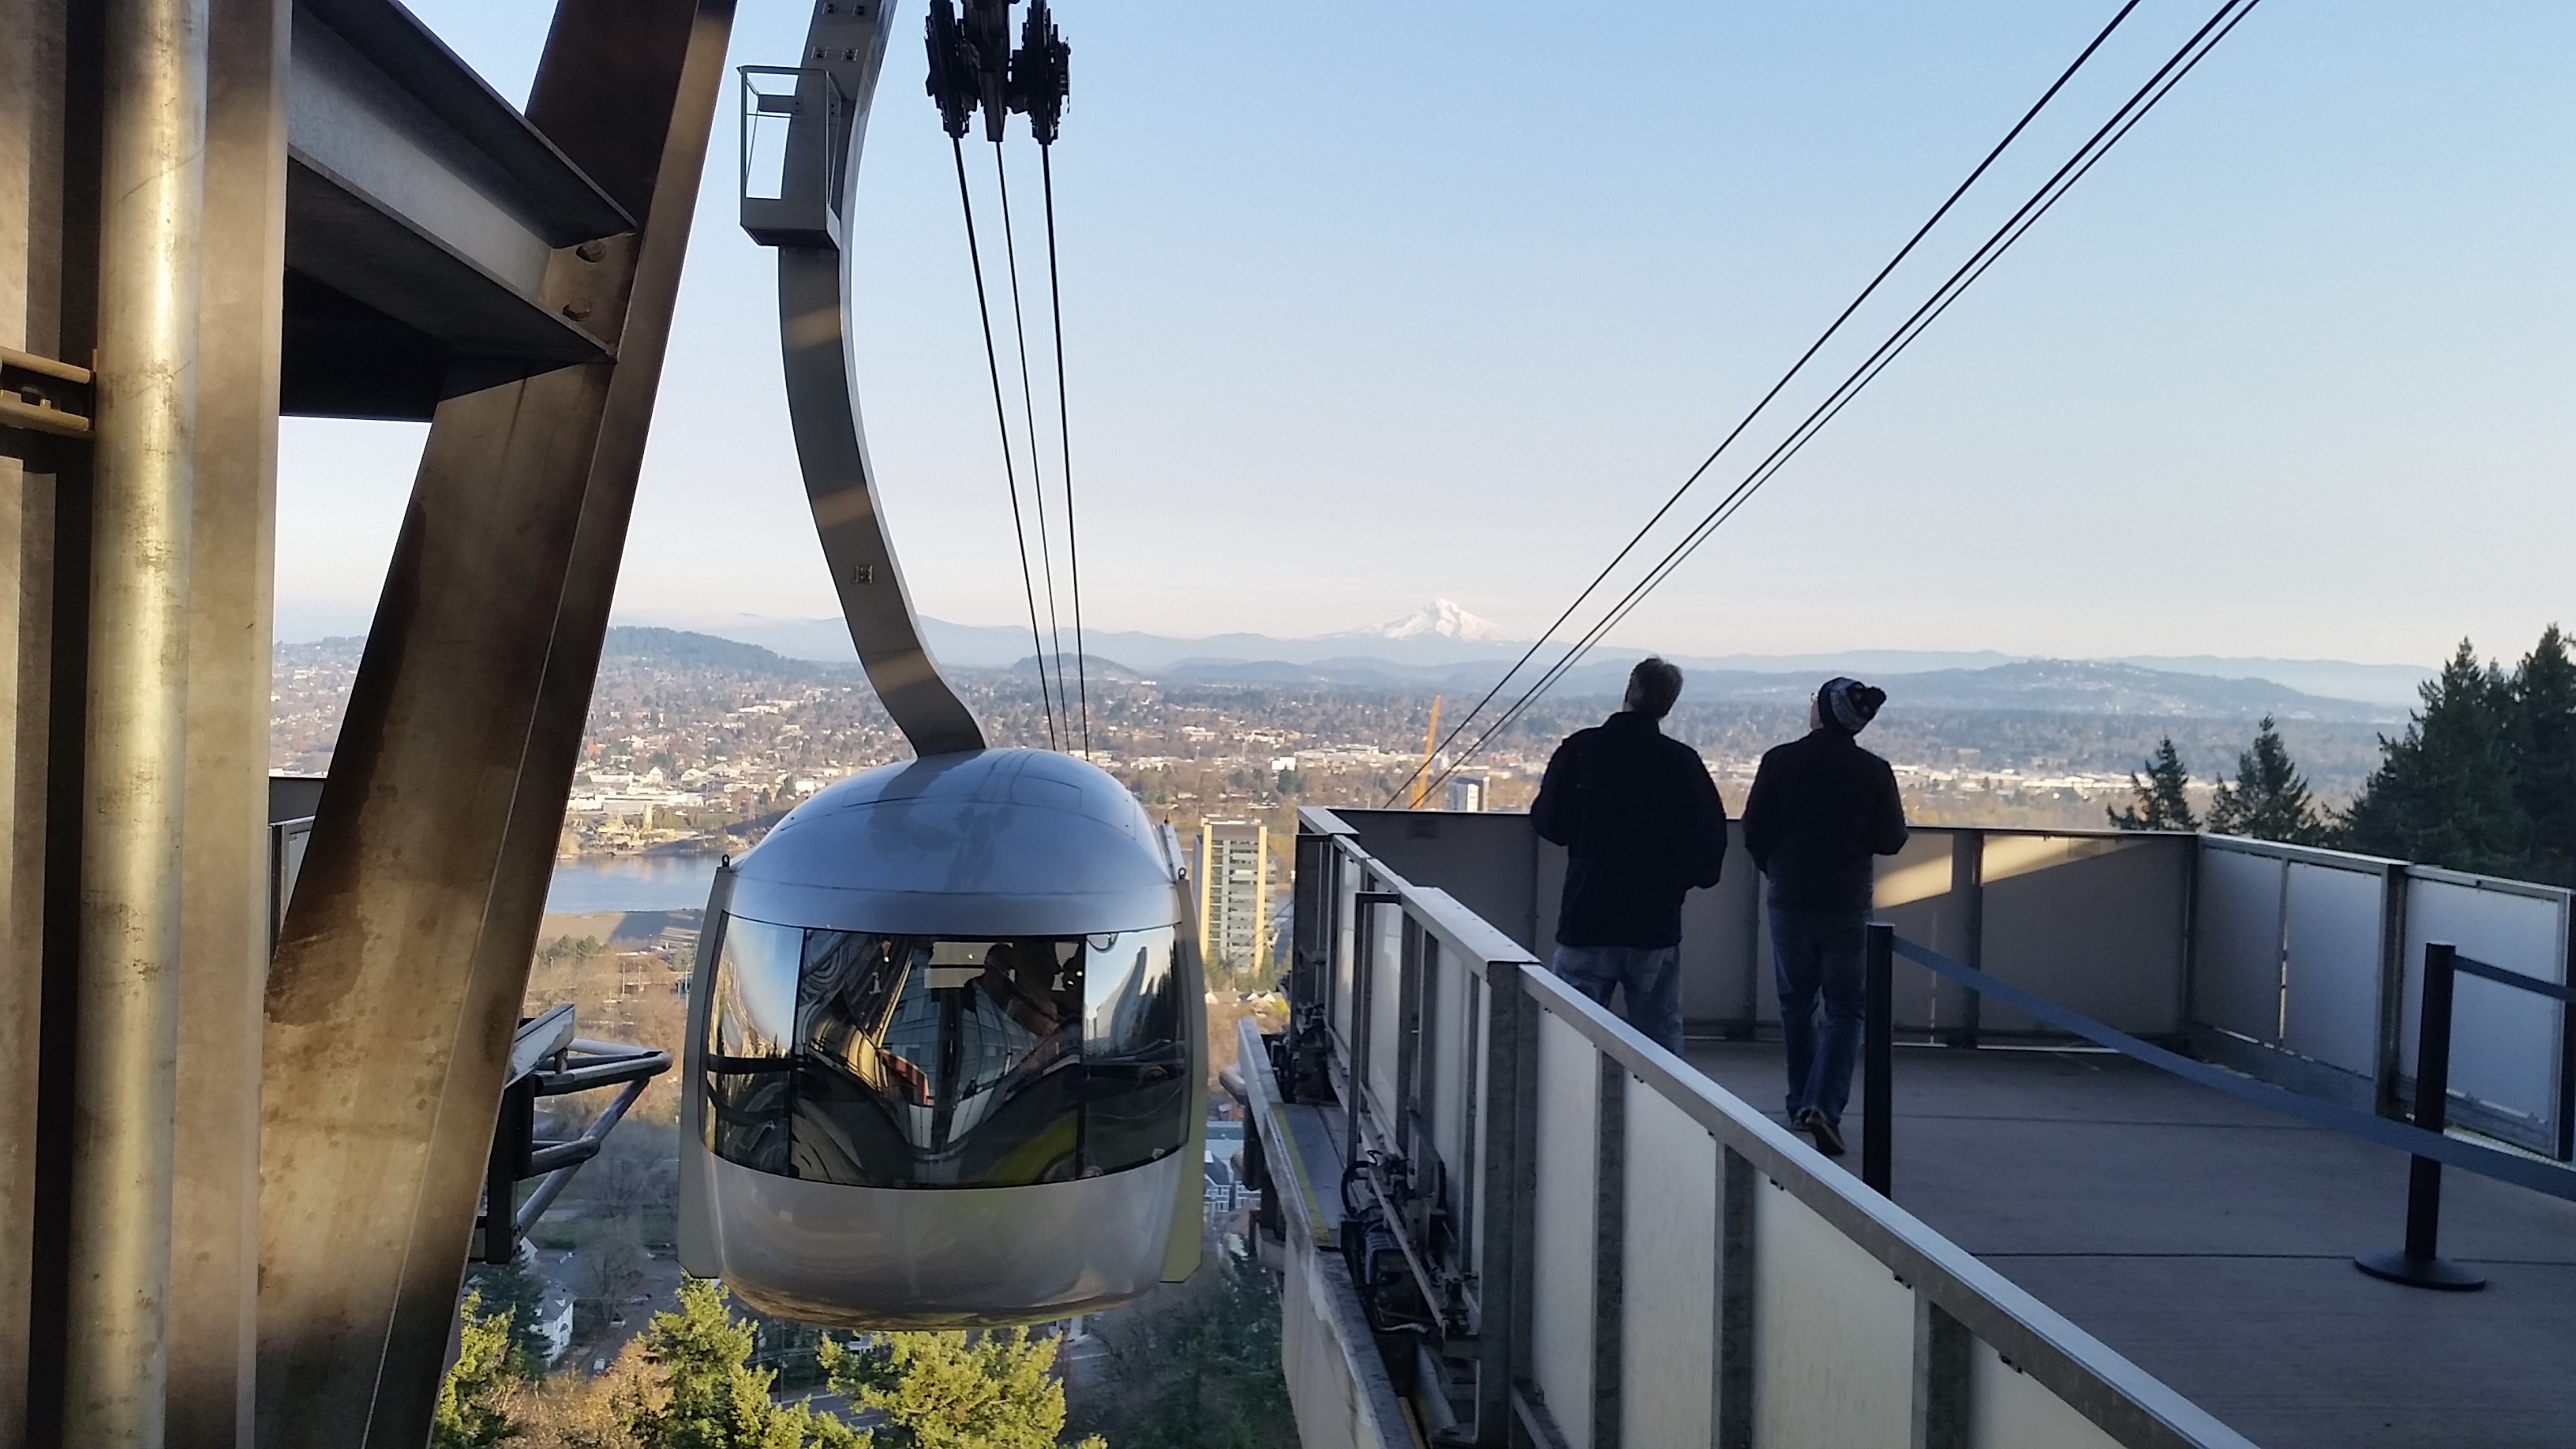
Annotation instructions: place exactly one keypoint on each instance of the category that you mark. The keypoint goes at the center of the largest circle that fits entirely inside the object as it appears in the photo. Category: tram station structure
(2120, 1154)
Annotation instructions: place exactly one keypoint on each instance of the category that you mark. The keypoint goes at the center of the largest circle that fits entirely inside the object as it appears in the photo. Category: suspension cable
(1776, 388)
(1037, 473)
(1064, 429)
(2099, 144)
(1002, 418)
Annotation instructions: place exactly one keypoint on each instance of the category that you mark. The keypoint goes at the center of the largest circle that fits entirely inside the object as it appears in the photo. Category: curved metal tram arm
(844, 54)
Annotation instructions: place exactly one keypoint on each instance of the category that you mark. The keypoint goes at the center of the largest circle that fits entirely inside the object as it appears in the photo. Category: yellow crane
(1430, 734)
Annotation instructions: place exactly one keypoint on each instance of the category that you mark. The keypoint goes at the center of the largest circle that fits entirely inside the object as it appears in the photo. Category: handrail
(2519, 981)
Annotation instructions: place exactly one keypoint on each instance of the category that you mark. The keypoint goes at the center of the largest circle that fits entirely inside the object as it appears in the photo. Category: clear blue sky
(1370, 303)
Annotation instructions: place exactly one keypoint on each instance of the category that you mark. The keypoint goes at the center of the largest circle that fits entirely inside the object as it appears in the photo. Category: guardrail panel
(2330, 991)
(1442, 1069)
(1569, 1091)
(1384, 1035)
(1668, 1304)
(1723, 969)
(1913, 893)
(2505, 1043)
(2096, 923)
(2008, 1409)
(2238, 963)
(1344, 946)
(1833, 1347)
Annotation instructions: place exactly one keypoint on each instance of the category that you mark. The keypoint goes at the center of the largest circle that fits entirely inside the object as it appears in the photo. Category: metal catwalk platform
(2211, 1243)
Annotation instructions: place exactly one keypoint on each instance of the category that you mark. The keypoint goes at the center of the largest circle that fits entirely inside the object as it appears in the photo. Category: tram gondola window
(750, 1024)
(916, 1061)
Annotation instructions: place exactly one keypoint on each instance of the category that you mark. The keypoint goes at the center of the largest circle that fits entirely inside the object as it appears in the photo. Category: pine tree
(2542, 735)
(473, 1409)
(2444, 791)
(708, 1396)
(2162, 801)
(2269, 800)
(995, 1390)
(510, 1288)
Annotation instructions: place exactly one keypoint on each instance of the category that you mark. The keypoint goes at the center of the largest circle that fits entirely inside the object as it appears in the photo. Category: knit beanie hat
(1849, 705)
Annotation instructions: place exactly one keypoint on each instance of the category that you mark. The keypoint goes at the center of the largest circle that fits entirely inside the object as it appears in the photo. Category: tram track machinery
(946, 1052)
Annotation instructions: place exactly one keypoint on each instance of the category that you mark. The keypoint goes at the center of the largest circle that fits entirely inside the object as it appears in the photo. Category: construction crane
(1430, 738)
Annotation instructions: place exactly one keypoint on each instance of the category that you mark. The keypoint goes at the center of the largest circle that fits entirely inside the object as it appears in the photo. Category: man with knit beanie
(1821, 807)
(1642, 827)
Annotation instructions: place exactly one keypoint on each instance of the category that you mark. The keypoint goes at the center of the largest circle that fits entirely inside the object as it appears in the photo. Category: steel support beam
(224, 868)
(395, 991)
(125, 1066)
(435, 218)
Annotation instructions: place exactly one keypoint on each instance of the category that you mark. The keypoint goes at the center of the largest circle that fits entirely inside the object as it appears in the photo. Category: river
(630, 883)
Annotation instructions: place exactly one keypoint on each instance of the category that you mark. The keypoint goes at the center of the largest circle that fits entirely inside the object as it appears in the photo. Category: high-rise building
(1234, 879)
(1466, 792)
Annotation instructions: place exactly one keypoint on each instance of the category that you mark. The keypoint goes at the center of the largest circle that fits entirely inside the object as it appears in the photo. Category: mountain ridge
(1428, 653)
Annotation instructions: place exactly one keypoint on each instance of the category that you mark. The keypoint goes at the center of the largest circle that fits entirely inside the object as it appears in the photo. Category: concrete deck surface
(2211, 1241)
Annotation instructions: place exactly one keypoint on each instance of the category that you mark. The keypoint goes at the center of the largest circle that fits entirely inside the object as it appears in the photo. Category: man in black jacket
(1821, 808)
(1642, 827)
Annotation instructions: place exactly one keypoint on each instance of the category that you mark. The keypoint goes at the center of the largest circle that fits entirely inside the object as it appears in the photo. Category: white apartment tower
(1234, 880)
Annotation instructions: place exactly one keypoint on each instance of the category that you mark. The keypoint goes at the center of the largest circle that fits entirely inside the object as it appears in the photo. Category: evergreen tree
(2444, 791)
(473, 1409)
(2162, 801)
(708, 1396)
(2268, 801)
(995, 1390)
(1196, 1366)
(510, 1288)
(2542, 735)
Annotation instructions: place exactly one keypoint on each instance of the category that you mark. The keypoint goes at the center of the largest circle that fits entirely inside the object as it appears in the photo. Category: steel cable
(1776, 388)
(1002, 419)
(2099, 144)
(1064, 430)
(1037, 474)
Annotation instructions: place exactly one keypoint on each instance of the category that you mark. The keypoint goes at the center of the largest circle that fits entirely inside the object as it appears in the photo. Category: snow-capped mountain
(1445, 618)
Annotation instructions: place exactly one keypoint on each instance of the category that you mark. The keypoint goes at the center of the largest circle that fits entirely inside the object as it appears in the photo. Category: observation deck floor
(2211, 1242)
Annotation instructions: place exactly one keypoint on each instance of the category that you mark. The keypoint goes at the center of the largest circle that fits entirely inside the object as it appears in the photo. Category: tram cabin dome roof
(991, 842)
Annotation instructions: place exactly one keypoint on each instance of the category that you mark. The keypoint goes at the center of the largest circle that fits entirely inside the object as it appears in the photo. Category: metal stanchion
(1878, 1051)
(2419, 1264)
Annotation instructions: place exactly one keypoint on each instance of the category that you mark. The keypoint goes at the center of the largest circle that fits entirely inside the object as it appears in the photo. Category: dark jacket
(1820, 808)
(1642, 826)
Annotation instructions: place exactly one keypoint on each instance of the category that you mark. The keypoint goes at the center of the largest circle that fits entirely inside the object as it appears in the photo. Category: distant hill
(2060, 686)
(1442, 642)
(701, 651)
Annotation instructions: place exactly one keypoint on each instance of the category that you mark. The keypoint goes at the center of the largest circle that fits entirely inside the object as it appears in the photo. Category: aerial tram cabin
(946, 1061)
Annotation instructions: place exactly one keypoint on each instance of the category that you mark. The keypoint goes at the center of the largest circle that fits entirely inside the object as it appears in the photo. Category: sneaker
(1829, 1138)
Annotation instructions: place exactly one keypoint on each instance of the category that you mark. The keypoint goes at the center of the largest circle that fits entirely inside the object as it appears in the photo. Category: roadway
(2211, 1241)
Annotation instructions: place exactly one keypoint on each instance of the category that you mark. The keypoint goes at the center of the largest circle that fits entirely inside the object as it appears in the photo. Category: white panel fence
(1634, 1256)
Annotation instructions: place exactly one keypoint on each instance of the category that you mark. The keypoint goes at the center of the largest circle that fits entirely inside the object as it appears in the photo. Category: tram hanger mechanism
(946, 1056)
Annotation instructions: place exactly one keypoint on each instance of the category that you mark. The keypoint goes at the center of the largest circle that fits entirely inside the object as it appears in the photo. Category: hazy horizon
(2284, 378)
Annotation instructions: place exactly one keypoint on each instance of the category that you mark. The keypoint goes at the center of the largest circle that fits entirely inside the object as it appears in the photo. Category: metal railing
(548, 1060)
(1598, 1245)
(2425, 1138)
(286, 842)
(2294, 964)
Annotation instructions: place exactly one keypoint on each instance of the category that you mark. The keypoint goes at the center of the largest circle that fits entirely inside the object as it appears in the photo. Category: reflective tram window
(913, 1061)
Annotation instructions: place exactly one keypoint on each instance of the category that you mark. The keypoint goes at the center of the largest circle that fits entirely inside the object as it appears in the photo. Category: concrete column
(125, 1075)
(224, 957)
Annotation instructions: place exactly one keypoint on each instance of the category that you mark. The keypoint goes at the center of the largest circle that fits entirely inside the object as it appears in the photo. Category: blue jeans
(1651, 976)
(1818, 955)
